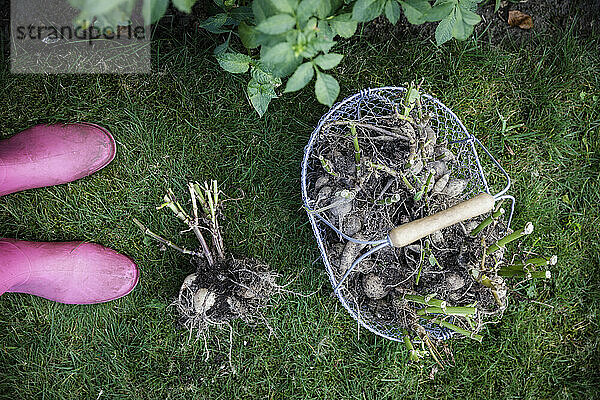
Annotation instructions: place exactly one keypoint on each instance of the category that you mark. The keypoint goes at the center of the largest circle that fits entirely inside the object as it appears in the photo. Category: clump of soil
(400, 171)
(230, 289)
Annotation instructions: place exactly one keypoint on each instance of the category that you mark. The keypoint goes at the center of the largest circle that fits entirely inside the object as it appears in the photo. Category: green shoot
(420, 267)
(430, 256)
(460, 311)
(392, 172)
(524, 274)
(464, 332)
(389, 200)
(208, 197)
(486, 222)
(327, 166)
(164, 241)
(537, 261)
(414, 355)
(410, 99)
(425, 188)
(500, 244)
(425, 300)
(172, 204)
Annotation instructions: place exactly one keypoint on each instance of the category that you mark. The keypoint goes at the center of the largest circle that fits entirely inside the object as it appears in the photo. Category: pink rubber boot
(70, 272)
(47, 155)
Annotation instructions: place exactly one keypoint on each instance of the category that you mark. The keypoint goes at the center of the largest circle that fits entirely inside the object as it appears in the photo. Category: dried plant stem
(356, 146)
(371, 127)
(173, 205)
(196, 227)
(453, 327)
(208, 196)
(164, 241)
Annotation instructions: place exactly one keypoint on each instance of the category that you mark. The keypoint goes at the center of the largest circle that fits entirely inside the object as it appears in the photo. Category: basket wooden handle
(407, 233)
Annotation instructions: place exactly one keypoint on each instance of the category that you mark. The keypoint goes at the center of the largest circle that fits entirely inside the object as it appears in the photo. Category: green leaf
(214, 24)
(328, 61)
(309, 52)
(241, 14)
(320, 45)
(108, 13)
(470, 5)
(181, 5)
(414, 10)
(260, 95)
(366, 10)
(280, 59)
(468, 16)
(263, 9)
(285, 6)
(265, 41)
(460, 29)
(300, 78)
(327, 88)
(325, 31)
(392, 11)
(236, 63)
(247, 35)
(94, 8)
(308, 8)
(432, 260)
(443, 32)
(277, 24)
(344, 25)
(262, 74)
(439, 11)
(153, 10)
(221, 49)
(310, 25)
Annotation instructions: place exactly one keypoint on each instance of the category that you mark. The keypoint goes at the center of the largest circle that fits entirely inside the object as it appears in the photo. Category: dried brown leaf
(520, 19)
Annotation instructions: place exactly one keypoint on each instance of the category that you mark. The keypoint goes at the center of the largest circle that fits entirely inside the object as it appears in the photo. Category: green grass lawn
(191, 121)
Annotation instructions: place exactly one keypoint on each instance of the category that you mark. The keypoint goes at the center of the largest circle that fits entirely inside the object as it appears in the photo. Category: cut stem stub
(509, 273)
(500, 244)
(425, 300)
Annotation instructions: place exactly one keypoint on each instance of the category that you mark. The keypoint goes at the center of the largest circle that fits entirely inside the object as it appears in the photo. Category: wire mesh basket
(368, 106)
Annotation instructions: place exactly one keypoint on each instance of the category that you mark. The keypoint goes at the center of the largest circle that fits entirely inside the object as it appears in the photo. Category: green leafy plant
(292, 38)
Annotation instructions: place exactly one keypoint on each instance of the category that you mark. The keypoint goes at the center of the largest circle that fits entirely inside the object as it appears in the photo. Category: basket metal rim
(313, 221)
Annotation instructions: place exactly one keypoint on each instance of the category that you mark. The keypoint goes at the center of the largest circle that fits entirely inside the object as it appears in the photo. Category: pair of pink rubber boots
(70, 272)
